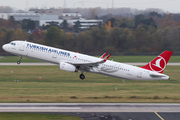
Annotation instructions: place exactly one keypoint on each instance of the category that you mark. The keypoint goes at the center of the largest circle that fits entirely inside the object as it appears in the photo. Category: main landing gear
(19, 61)
(82, 76)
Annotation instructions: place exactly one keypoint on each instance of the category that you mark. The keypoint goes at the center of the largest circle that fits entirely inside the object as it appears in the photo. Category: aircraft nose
(4, 47)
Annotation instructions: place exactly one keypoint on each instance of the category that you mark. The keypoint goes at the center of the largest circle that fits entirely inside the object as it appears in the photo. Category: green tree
(118, 22)
(52, 23)
(112, 21)
(70, 41)
(2, 37)
(77, 26)
(142, 42)
(28, 24)
(141, 20)
(18, 34)
(12, 22)
(148, 22)
(54, 36)
(138, 19)
(9, 35)
(155, 14)
(127, 23)
(64, 25)
(98, 39)
(82, 40)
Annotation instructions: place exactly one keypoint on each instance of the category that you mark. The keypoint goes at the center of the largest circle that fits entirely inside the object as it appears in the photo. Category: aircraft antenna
(27, 5)
(82, 3)
(112, 6)
(65, 5)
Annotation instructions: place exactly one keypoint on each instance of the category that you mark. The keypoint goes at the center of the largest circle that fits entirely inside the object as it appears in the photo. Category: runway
(101, 111)
(89, 107)
(170, 64)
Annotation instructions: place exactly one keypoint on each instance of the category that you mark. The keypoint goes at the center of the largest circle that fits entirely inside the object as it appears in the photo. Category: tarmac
(101, 111)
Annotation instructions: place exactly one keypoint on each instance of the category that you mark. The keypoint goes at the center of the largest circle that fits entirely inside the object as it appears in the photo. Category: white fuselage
(55, 55)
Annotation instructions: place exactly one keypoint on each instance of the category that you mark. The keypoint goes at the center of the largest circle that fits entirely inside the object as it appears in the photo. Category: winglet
(103, 55)
(107, 58)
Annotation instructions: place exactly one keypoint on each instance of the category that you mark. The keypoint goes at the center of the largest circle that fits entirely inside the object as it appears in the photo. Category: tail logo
(158, 64)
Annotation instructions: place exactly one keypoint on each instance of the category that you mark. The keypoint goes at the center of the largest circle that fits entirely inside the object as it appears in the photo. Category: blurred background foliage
(139, 34)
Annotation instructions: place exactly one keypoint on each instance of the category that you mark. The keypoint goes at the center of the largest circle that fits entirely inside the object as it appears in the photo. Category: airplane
(74, 62)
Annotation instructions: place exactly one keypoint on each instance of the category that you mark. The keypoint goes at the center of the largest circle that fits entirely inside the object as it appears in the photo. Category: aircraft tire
(18, 62)
(82, 76)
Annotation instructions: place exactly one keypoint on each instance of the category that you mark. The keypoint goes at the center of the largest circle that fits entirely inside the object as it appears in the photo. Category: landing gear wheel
(82, 76)
(18, 62)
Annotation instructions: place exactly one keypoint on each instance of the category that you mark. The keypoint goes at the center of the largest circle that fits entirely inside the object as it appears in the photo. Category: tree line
(145, 33)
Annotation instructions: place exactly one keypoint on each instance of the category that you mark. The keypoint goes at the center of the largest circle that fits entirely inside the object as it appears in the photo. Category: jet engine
(67, 67)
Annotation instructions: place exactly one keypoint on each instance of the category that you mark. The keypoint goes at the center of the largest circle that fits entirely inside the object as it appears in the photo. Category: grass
(146, 59)
(126, 59)
(14, 59)
(35, 116)
(22, 84)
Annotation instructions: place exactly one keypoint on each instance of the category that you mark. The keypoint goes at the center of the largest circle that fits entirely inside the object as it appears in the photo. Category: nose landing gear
(19, 61)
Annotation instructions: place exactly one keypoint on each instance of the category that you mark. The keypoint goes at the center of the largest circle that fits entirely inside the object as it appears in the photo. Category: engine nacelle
(67, 67)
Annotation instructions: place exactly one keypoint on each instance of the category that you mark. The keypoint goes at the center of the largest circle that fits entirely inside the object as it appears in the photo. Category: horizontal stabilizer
(155, 75)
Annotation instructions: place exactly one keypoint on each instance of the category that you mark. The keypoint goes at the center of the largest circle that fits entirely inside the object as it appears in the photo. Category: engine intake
(67, 67)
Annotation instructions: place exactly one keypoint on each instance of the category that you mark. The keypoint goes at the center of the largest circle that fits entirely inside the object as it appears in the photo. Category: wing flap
(92, 63)
(89, 65)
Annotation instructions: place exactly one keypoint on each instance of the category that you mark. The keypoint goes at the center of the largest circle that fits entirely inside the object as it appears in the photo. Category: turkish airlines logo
(158, 64)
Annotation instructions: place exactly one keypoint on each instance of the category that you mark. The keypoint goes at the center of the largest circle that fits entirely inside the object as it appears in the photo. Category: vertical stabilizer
(159, 63)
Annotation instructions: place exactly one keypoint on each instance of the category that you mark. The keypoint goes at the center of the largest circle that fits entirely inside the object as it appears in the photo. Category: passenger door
(139, 75)
(22, 46)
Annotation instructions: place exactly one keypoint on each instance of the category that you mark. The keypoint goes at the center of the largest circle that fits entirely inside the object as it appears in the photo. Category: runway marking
(47, 108)
(158, 115)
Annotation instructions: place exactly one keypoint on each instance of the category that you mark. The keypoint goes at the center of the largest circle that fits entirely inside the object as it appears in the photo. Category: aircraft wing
(87, 66)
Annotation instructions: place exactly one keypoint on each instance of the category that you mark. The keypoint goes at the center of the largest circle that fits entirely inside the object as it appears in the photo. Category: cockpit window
(13, 44)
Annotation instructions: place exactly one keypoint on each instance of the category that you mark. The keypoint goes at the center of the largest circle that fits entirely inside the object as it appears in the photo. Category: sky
(166, 5)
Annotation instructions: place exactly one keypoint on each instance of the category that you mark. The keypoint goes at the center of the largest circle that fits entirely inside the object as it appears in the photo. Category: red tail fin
(159, 63)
